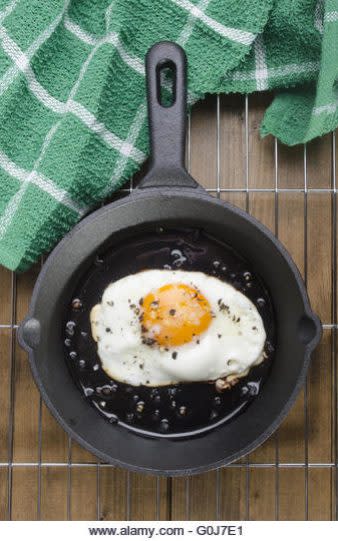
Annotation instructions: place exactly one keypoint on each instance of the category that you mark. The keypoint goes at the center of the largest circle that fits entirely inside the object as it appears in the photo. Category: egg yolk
(174, 315)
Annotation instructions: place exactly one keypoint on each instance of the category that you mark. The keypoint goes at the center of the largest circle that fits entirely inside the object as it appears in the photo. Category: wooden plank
(26, 413)
(291, 226)
(54, 486)
(164, 504)
(187, 501)
(54, 439)
(319, 254)
(25, 493)
(291, 445)
(291, 494)
(320, 403)
(233, 494)
(80, 455)
(291, 233)
(24, 480)
(321, 485)
(261, 151)
(5, 356)
(203, 497)
(232, 142)
(235, 198)
(26, 394)
(318, 158)
(262, 207)
(5, 296)
(203, 138)
(24, 288)
(3, 493)
(83, 493)
(180, 488)
(147, 500)
(262, 493)
(113, 494)
(290, 166)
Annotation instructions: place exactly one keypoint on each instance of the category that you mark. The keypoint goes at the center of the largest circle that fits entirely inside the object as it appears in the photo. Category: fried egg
(162, 327)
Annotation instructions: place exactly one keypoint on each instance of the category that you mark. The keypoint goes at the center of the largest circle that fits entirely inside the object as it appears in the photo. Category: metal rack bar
(277, 234)
(258, 190)
(325, 326)
(334, 331)
(69, 480)
(158, 497)
(188, 144)
(128, 496)
(129, 478)
(218, 146)
(98, 463)
(11, 398)
(306, 413)
(187, 498)
(188, 164)
(39, 480)
(39, 459)
(218, 195)
(251, 465)
(247, 171)
(98, 492)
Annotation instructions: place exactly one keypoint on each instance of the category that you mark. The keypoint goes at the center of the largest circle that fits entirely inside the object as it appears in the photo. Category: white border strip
(14, 203)
(318, 21)
(12, 72)
(282, 71)
(261, 73)
(234, 34)
(331, 17)
(81, 34)
(7, 10)
(39, 180)
(133, 134)
(330, 109)
(132, 61)
(190, 24)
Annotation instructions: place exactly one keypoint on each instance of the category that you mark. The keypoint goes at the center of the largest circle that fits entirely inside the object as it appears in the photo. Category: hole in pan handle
(167, 121)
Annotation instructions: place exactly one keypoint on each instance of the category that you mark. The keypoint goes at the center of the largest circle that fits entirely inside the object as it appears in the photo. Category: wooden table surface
(293, 475)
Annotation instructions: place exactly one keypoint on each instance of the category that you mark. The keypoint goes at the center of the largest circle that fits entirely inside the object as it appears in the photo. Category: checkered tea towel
(72, 93)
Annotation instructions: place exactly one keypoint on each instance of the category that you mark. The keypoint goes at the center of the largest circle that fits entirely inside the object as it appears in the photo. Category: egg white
(232, 344)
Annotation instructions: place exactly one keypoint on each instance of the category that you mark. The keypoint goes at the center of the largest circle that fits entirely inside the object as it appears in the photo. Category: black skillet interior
(182, 409)
(169, 199)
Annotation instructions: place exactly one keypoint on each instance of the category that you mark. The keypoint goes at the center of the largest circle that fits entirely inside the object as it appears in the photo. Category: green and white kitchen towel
(72, 93)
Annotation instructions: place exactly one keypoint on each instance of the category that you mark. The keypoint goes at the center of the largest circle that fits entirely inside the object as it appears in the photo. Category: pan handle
(167, 123)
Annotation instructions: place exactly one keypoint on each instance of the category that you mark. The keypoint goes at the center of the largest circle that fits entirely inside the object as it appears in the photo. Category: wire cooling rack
(293, 476)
